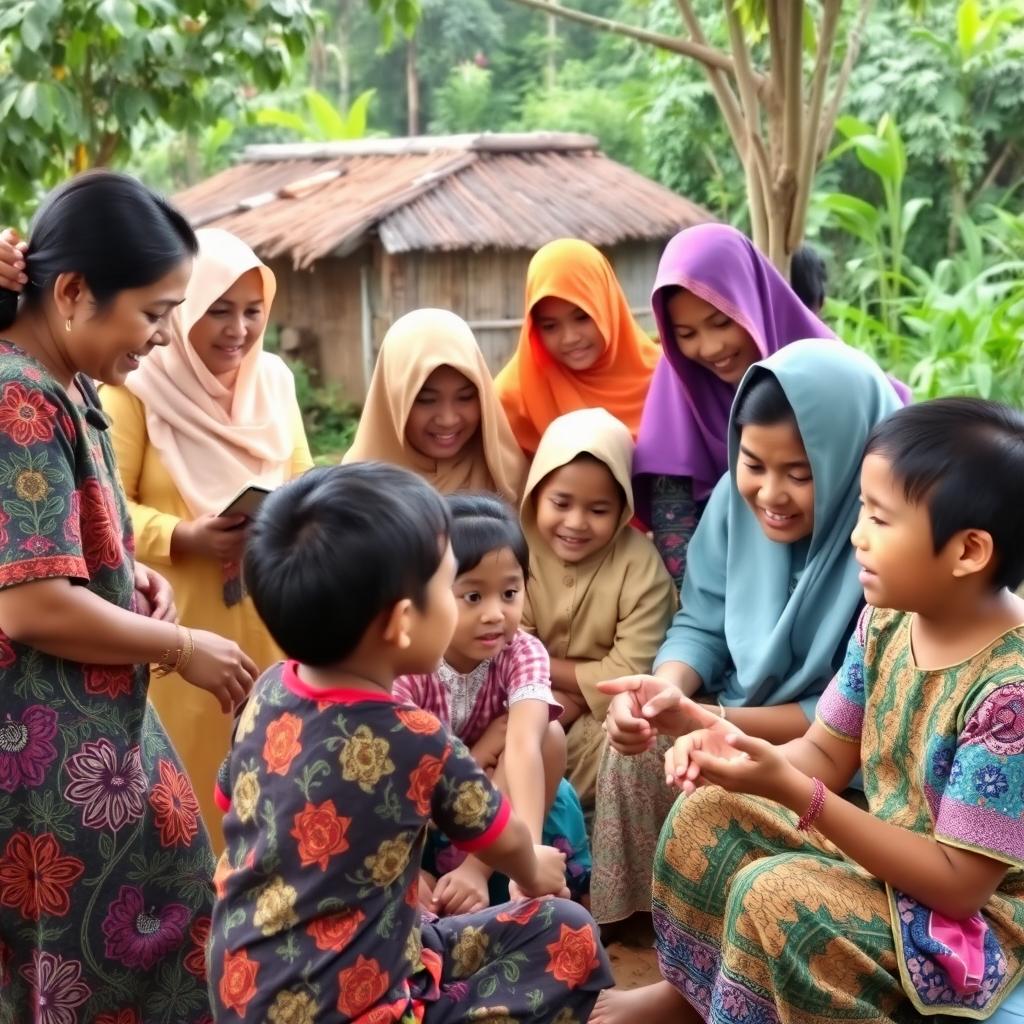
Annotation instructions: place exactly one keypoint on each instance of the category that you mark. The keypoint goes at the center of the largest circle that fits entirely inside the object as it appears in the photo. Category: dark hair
(763, 402)
(337, 546)
(482, 523)
(964, 458)
(108, 227)
(808, 277)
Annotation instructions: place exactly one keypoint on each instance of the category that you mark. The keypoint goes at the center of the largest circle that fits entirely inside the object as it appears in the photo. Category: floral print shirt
(329, 795)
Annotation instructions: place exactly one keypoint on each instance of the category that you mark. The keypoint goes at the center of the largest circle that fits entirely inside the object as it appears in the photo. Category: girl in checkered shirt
(493, 691)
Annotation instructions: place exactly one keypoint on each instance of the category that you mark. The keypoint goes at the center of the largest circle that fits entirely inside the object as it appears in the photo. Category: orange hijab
(535, 389)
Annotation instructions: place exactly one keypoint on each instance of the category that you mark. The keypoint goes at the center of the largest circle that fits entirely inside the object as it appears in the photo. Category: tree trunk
(550, 64)
(344, 63)
(412, 89)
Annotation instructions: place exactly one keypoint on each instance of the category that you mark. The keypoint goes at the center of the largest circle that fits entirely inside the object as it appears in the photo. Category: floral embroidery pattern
(364, 759)
(139, 936)
(238, 981)
(361, 986)
(335, 932)
(282, 746)
(110, 792)
(176, 807)
(36, 877)
(26, 745)
(80, 882)
(574, 956)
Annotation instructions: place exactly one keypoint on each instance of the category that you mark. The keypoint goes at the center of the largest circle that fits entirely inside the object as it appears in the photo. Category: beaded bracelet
(814, 810)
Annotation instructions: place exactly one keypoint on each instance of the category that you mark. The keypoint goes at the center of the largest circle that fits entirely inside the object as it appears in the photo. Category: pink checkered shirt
(468, 703)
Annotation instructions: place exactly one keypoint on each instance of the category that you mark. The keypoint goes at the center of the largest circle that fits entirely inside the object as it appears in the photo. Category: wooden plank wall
(324, 304)
(485, 288)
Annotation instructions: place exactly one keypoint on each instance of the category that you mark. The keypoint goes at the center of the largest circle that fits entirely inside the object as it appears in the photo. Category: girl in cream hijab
(432, 409)
(202, 418)
(598, 597)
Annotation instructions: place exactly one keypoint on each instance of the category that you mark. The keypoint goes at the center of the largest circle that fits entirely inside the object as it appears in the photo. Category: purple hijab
(685, 423)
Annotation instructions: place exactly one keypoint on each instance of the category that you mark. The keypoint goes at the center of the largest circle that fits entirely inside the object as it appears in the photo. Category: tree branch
(993, 172)
(828, 124)
(812, 124)
(747, 87)
(792, 115)
(707, 55)
(720, 85)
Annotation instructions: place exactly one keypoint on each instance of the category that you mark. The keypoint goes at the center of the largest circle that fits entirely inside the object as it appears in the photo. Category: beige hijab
(215, 440)
(612, 608)
(416, 345)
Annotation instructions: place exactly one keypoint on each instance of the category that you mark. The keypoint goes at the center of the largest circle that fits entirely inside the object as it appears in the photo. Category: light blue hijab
(763, 622)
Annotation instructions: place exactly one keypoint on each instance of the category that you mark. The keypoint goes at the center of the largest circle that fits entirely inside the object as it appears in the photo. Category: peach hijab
(415, 345)
(535, 388)
(212, 439)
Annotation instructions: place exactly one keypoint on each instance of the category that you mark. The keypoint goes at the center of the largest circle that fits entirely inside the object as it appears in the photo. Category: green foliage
(956, 328)
(465, 103)
(322, 121)
(329, 419)
(82, 80)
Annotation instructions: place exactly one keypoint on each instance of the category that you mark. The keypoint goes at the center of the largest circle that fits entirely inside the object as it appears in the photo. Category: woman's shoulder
(18, 367)
(30, 396)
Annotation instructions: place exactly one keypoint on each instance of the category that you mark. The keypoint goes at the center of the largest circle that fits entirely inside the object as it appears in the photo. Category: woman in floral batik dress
(105, 868)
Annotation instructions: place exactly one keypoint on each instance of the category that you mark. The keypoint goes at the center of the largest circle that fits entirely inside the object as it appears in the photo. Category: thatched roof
(455, 192)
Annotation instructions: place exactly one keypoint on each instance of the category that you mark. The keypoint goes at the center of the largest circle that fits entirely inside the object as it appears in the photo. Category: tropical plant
(954, 328)
(322, 121)
(81, 81)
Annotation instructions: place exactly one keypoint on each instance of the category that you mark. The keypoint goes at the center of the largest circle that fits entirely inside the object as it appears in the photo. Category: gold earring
(67, 325)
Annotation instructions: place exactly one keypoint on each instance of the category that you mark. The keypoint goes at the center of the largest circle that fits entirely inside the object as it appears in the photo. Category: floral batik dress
(760, 923)
(329, 794)
(105, 890)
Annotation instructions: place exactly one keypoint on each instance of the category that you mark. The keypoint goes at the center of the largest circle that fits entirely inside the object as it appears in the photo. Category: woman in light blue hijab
(769, 598)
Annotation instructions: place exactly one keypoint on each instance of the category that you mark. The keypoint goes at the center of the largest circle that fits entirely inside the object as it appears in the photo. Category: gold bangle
(721, 712)
(186, 655)
(166, 665)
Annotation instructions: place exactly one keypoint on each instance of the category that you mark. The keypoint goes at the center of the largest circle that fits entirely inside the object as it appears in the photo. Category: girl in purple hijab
(720, 306)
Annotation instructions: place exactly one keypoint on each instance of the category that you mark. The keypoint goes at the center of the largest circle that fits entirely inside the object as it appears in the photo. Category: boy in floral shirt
(331, 784)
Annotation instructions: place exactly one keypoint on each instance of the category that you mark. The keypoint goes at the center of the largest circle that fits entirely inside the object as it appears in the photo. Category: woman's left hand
(157, 594)
(734, 761)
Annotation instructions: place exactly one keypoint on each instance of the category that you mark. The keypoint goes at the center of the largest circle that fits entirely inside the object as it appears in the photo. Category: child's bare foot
(652, 1004)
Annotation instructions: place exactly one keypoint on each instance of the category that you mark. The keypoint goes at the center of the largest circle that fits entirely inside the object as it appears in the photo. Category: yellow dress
(200, 731)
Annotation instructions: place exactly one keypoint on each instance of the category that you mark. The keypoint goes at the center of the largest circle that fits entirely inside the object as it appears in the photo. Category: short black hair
(482, 523)
(763, 402)
(108, 227)
(808, 277)
(964, 458)
(336, 547)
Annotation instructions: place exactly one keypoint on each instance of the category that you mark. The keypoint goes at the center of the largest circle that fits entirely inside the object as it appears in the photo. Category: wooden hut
(360, 232)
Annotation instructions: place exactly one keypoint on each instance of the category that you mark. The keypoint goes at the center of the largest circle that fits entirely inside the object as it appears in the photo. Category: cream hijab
(416, 345)
(215, 440)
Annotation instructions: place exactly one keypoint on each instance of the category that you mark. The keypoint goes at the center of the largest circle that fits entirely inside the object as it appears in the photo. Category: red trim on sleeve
(334, 695)
(494, 830)
(221, 799)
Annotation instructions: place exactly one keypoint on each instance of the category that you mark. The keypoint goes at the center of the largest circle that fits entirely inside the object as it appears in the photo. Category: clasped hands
(708, 749)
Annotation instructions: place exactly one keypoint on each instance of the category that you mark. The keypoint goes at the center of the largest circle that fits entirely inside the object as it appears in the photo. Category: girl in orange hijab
(579, 347)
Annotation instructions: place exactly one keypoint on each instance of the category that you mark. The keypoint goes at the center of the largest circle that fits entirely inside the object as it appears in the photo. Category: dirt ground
(630, 946)
(633, 966)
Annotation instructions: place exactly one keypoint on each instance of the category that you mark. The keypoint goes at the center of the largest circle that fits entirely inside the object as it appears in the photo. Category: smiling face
(773, 476)
(710, 338)
(578, 509)
(569, 333)
(231, 326)
(109, 343)
(490, 600)
(444, 416)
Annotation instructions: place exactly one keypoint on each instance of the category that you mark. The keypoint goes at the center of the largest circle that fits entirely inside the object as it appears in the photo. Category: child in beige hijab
(431, 408)
(202, 418)
(599, 596)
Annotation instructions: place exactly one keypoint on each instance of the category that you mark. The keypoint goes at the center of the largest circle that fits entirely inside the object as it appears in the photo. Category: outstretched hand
(736, 762)
(645, 707)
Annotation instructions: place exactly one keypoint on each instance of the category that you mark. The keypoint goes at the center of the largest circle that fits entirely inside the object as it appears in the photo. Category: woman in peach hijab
(199, 421)
(579, 347)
